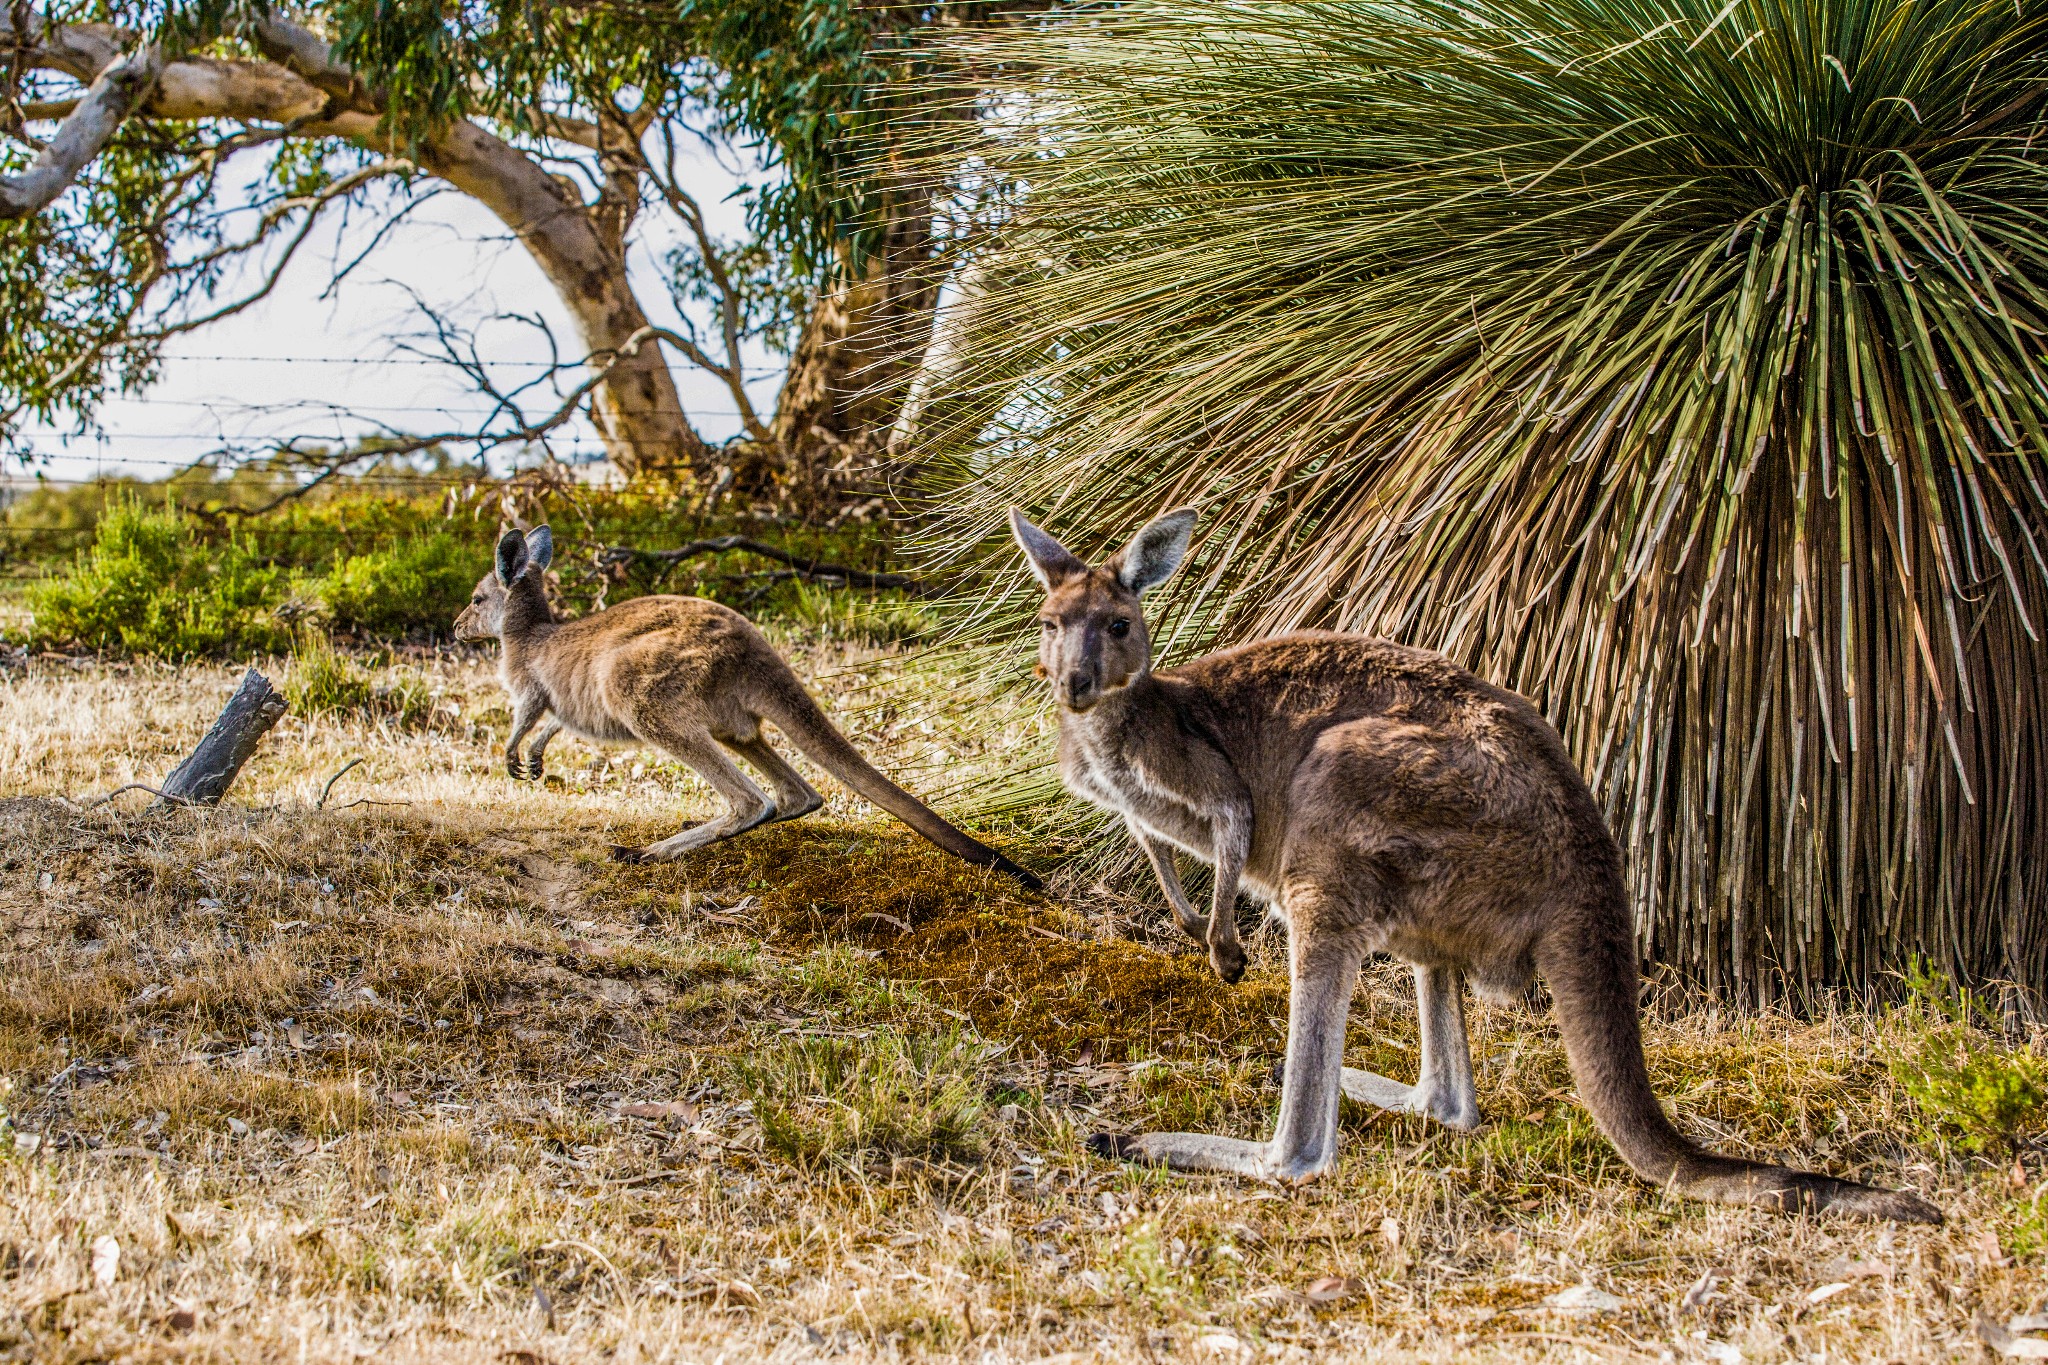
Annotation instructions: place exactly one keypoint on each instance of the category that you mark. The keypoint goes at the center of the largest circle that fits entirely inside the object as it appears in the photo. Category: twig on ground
(328, 790)
(121, 791)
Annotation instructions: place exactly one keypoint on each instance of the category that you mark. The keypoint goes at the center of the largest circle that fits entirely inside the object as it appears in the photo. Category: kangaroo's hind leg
(1324, 968)
(746, 804)
(794, 797)
(1444, 1091)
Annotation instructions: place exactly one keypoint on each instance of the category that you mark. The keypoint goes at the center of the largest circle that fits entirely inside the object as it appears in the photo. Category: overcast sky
(330, 368)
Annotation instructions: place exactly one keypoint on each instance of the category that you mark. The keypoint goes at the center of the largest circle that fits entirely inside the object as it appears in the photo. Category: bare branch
(313, 203)
(527, 432)
(733, 371)
(610, 555)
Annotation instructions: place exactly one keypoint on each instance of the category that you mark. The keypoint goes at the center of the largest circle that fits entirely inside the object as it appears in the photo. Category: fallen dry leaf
(658, 1110)
(1584, 1298)
(1859, 1269)
(1826, 1292)
(2002, 1339)
(1331, 1288)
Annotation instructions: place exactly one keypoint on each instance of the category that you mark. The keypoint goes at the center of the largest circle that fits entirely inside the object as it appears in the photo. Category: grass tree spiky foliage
(1677, 363)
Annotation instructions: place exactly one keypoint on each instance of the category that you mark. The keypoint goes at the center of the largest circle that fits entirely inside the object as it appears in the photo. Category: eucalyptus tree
(119, 123)
(1677, 363)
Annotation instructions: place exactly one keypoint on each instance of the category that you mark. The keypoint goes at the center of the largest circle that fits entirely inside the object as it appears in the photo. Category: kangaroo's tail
(1589, 960)
(813, 733)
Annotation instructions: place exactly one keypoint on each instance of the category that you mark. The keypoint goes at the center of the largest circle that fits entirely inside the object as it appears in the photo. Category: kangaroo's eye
(1048, 625)
(1119, 628)
(476, 601)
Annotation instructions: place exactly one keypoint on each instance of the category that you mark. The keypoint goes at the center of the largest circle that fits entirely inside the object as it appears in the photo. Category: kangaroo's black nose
(1079, 685)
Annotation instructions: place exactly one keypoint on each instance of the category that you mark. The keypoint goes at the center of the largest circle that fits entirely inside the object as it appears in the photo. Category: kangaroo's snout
(1079, 690)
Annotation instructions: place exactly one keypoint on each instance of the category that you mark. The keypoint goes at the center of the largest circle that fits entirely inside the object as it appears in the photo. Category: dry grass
(431, 1080)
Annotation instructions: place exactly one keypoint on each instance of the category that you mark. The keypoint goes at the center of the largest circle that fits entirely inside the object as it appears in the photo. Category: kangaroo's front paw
(1228, 959)
(626, 853)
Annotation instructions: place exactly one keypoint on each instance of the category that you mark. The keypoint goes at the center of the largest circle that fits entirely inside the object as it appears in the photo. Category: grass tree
(1677, 363)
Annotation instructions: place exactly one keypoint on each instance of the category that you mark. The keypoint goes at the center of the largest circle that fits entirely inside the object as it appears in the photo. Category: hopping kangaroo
(1385, 800)
(683, 674)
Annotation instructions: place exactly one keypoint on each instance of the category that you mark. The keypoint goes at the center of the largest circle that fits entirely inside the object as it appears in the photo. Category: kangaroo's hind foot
(1444, 1091)
(747, 806)
(1304, 1142)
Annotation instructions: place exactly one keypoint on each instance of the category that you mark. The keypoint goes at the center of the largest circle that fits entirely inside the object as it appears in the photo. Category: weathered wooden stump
(204, 777)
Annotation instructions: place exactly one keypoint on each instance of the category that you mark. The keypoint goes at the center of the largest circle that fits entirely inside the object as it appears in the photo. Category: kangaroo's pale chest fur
(1105, 763)
(574, 695)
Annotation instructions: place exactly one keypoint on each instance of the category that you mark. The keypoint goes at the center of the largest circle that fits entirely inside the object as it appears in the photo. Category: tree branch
(809, 568)
(733, 371)
(306, 93)
(115, 93)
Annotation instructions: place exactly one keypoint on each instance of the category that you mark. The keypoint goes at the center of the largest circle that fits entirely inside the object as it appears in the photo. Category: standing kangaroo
(688, 676)
(1385, 800)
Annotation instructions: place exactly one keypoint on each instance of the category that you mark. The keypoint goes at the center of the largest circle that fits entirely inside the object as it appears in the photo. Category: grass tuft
(825, 1102)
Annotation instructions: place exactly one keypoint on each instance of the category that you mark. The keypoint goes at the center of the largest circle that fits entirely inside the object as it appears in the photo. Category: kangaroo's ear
(512, 557)
(540, 547)
(1051, 562)
(1155, 552)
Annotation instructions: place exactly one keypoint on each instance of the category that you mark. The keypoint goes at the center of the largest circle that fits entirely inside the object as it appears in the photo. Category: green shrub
(324, 681)
(1963, 1083)
(149, 585)
(837, 1101)
(416, 584)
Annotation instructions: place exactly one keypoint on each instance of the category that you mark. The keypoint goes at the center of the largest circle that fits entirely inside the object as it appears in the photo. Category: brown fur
(688, 676)
(1385, 801)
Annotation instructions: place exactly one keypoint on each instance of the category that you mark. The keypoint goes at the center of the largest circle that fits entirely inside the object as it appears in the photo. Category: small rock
(106, 1261)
